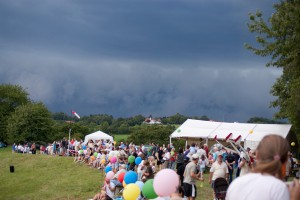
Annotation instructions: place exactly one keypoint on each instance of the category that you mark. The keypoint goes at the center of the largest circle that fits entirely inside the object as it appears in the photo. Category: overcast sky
(130, 57)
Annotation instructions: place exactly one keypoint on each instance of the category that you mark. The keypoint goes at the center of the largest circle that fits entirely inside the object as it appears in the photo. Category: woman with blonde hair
(265, 182)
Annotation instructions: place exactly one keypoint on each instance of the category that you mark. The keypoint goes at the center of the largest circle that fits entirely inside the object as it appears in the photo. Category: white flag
(74, 113)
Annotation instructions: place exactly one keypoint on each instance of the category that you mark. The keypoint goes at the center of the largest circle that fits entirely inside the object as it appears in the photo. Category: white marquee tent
(251, 133)
(98, 135)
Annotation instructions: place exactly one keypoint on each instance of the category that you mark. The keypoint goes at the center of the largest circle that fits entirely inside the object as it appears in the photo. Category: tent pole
(170, 140)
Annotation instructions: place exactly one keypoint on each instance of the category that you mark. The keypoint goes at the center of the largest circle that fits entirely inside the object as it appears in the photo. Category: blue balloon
(107, 169)
(140, 184)
(138, 160)
(84, 147)
(130, 177)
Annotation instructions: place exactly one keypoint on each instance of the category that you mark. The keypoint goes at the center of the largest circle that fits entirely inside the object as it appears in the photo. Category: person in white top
(218, 169)
(265, 182)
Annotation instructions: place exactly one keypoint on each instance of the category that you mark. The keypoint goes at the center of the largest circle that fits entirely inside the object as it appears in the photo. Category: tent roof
(98, 135)
(207, 129)
(195, 129)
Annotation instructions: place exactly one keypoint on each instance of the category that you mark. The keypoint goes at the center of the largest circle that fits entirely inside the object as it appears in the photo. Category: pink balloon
(113, 159)
(165, 182)
(110, 175)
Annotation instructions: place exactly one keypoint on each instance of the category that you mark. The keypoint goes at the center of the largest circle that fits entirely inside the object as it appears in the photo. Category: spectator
(166, 158)
(190, 177)
(230, 161)
(180, 158)
(244, 164)
(181, 168)
(109, 189)
(202, 164)
(115, 180)
(201, 152)
(160, 153)
(266, 181)
(148, 171)
(172, 159)
(33, 148)
(205, 147)
(218, 170)
(192, 148)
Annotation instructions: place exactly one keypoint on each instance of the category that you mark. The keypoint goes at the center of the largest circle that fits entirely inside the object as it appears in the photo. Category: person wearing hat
(218, 169)
(190, 177)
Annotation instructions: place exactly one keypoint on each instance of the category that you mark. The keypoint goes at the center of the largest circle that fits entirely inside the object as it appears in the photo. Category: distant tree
(145, 134)
(204, 117)
(78, 131)
(60, 116)
(136, 120)
(104, 127)
(30, 123)
(11, 96)
(174, 119)
(279, 38)
(261, 120)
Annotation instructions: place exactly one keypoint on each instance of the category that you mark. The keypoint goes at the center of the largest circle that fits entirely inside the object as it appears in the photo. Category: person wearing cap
(190, 177)
(218, 169)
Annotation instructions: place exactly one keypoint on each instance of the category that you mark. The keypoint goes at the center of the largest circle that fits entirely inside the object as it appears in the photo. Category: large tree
(31, 122)
(11, 96)
(279, 38)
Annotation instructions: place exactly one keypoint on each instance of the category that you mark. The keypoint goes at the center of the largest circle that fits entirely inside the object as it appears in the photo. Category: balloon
(115, 142)
(124, 184)
(293, 144)
(178, 130)
(251, 131)
(93, 158)
(107, 169)
(95, 154)
(138, 160)
(103, 161)
(121, 177)
(131, 159)
(81, 151)
(165, 186)
(85, 151)
(84, 147)
(113, 159)
(131, 192)
(140, 184)
(110, 175)
(130, 177)
(148, 190)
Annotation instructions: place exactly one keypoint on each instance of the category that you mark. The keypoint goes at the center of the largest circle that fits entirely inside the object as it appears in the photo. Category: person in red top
(172, 159)
(206, 149)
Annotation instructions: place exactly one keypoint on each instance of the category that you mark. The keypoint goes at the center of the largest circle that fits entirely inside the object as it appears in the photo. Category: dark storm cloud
(136, 57)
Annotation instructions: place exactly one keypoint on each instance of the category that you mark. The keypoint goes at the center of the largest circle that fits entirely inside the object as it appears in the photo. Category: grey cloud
(127, 57)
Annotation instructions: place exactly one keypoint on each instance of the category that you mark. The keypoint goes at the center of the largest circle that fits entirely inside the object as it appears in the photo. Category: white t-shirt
(108, 191)
(257, 186)
(219, 171)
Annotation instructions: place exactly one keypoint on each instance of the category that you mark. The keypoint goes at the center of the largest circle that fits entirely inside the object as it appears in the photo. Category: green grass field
(119, 137)
(48, 177)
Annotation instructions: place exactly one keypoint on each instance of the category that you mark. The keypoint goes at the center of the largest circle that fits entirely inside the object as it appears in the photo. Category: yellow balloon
(251, 131)
(115, 142)
(293, 144)
(103, 161)
(124, 184)
(131, 192)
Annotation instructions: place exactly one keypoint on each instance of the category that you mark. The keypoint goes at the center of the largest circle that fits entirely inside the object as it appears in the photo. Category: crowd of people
(269, 165)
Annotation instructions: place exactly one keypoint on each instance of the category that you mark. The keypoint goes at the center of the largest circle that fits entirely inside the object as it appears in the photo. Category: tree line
(23, 120)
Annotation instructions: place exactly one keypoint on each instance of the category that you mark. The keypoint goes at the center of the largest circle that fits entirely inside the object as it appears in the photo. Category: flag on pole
(74, 113)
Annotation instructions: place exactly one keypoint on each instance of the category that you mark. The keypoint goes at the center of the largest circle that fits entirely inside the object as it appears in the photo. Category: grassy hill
(46, 177)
